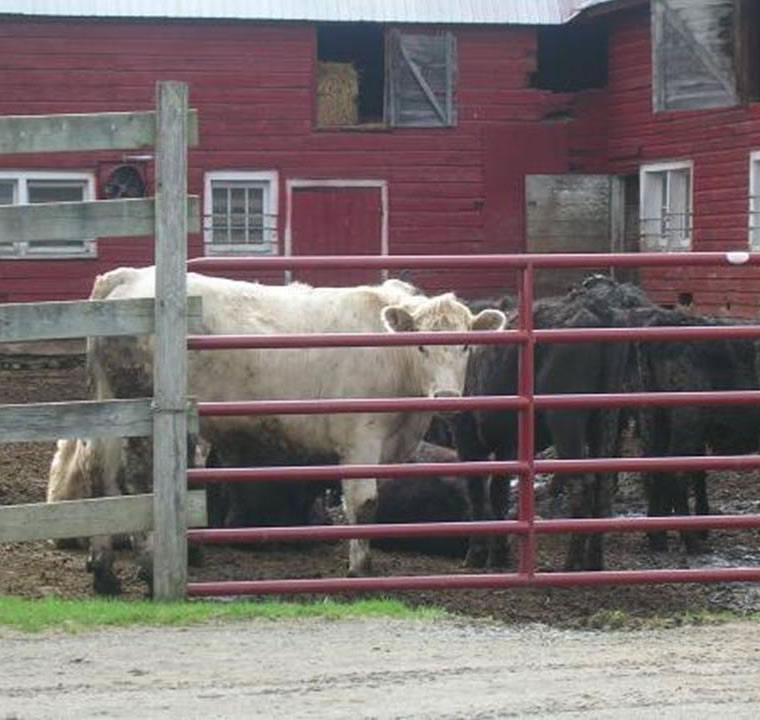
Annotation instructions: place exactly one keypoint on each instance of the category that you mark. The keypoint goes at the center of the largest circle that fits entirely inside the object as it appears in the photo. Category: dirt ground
(382, 669)
(37, 569)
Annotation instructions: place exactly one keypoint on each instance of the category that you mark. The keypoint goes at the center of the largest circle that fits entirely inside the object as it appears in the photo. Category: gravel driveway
(381, 669)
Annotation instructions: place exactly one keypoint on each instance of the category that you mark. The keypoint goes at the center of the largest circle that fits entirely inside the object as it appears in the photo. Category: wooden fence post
(170, 359)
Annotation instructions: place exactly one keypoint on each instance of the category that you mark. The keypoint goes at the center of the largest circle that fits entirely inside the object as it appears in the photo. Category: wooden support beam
(170, 352)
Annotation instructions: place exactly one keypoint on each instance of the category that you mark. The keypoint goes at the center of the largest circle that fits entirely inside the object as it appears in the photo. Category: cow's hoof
(363, 570)
(693, 543)
(476, 558)
(499, 556)
(69, 543)
(194, 555)
(658, 542)
(106, 583)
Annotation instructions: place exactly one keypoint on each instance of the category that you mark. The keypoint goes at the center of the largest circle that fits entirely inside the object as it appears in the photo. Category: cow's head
(440, 369)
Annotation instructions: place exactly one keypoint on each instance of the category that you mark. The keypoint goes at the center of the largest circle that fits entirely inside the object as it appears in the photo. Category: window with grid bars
(27, 187)
(754, 201)
(666, 207)
(240, 213)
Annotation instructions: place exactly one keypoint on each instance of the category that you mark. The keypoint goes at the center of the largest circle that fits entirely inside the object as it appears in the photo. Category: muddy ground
(37, 569)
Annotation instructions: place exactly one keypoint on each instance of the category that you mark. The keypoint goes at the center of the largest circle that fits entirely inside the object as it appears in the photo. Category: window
(366, 79)
(240, 215)
(666, 208)
(22, 188)
(754, 201)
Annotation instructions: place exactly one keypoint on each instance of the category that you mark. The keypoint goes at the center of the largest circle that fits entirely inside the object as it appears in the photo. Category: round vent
(125, 181)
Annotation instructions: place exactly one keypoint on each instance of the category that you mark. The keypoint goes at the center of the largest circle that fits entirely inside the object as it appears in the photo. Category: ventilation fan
(124, 181)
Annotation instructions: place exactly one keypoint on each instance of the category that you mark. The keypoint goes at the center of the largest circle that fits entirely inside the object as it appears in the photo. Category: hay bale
(337, 94)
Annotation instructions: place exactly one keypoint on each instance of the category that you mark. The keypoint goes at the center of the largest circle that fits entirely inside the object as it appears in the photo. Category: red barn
(389, 127)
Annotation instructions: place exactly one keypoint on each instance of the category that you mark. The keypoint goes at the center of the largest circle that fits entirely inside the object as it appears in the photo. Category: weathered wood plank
(101, 131)
(76, 221)
(22, 322)
(170, 354)
(85, 518)
(34, 422)
(37, 422)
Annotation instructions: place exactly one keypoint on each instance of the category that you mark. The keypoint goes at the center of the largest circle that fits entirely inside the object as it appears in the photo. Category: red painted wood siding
(336, 221)
(455, 190)
(719, 143)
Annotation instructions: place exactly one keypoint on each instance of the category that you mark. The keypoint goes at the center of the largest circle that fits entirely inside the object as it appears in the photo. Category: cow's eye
(422, 349)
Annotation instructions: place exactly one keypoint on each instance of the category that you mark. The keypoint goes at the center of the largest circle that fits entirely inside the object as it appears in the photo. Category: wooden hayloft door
(336, 220)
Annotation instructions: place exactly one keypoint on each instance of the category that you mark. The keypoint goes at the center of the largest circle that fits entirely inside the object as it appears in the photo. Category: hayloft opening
(571, 57)
(350, 74)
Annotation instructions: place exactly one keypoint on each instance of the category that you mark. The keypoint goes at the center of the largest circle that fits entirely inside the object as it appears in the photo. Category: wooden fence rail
(24, 322)
(78, 220)
(94, 516)
(77, 132)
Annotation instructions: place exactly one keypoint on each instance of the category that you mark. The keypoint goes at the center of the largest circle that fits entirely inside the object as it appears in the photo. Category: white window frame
(753, 217)
(268, 180)
(649, 242)
(26, 251)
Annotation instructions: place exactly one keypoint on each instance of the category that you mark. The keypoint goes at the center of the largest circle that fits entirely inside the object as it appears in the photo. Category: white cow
(122, 367)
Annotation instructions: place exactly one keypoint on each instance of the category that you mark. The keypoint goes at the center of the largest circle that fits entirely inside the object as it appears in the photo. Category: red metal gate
(527, 526)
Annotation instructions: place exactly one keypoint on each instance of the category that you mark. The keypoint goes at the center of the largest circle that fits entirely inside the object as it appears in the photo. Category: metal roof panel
(520, 12)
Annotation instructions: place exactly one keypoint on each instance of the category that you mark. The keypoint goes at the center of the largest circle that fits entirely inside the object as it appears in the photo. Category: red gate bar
(353, 405)
(232, 408)
(494, 581)
(474, 262)
(473, 337)
(336, 340)
(465, 529)
(317, 473)
(320, 473)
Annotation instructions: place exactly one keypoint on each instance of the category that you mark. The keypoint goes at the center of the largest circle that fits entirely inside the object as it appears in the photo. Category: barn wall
(717, 141)
(455, 190)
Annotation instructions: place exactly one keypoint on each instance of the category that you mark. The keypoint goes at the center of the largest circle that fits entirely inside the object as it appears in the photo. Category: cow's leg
(656, 426)
(100, 564)
(658, 505)
(604, 442)
(686, 438)
(470, 449)
(360, 498)
(701, 503)
(477, 550)
(568, 431)
(143, 546)
(498, 545)
(101, 556)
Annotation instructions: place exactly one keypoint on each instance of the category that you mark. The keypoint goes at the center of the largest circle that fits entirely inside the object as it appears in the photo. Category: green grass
(77, 615)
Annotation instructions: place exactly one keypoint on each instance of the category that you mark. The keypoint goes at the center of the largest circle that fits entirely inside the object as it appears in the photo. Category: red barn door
(336, 221)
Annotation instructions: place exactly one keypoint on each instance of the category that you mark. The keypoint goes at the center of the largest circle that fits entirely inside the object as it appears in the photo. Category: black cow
(559, 368)
(400, 500)
(696, 366)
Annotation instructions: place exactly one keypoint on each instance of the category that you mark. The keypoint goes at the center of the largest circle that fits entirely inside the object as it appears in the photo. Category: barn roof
(519, 12)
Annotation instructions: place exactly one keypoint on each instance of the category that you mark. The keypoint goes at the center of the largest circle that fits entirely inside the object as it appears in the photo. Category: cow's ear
(489, 320)
(397, 319)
